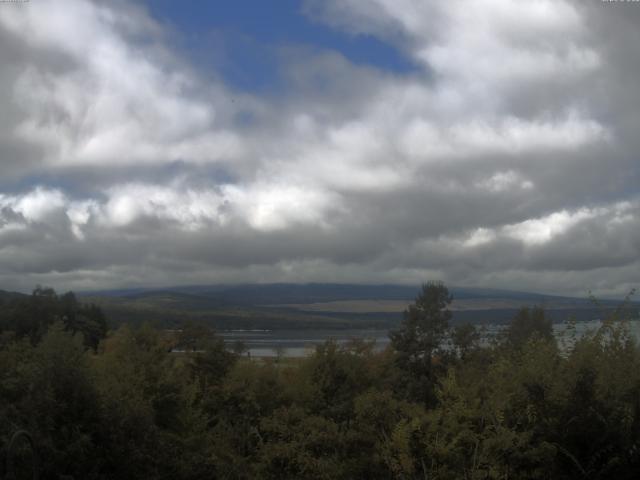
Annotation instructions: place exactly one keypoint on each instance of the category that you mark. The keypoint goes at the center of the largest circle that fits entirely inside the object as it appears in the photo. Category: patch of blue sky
(27, 183)
(91, 182)
(239, 40)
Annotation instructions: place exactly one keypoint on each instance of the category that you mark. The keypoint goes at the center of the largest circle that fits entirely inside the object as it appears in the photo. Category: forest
(138, 402)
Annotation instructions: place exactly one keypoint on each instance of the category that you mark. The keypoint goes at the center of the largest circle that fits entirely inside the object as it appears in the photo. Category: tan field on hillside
(395, 306)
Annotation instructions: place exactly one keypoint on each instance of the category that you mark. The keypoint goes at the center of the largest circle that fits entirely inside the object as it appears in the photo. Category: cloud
(116, 102)
(507, 158)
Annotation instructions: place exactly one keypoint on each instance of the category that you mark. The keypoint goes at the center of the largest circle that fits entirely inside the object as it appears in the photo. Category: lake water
(298, 343)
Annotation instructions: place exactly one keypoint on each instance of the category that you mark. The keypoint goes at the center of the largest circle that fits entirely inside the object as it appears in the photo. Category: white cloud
(263, 207)
(541, 230)
(187, 208)
(483, 42)
(276, 207)
(510, 136)
(79, 214)
(117, 103)
(500, 156)
(504, 181)
(536, 232)
(35, 206)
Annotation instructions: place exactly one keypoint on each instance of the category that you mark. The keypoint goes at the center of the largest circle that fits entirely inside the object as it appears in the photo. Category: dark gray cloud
(509, 158)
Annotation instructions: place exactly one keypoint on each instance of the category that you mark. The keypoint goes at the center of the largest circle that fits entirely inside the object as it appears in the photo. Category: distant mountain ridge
(282, 293)
(325, 305)
(6, 295)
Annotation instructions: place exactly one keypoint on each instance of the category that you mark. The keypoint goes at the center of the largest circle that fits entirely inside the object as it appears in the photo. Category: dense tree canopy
(420, 336)
(141, 405)
(527, 323)
(30, 316)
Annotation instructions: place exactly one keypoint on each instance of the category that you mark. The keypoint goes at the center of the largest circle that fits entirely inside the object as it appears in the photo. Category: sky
(488, 143)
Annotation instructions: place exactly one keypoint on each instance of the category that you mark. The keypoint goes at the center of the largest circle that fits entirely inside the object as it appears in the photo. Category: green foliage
(152, 404)
(465, 339)
(299, 445)
(30, 316)
(527, 323)
(335, 376)
(48, 390)
(420, 336)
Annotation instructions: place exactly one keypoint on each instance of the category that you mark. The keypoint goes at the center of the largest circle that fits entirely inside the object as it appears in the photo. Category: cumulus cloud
(115, 102)
(507, 158)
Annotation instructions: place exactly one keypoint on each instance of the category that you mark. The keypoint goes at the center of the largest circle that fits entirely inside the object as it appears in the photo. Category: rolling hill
(5, 295)
(315, 305)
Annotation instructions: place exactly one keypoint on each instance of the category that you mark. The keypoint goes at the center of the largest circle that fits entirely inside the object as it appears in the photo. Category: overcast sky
(484, 142)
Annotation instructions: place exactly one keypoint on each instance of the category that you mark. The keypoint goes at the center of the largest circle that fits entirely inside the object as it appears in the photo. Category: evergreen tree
(420, 337)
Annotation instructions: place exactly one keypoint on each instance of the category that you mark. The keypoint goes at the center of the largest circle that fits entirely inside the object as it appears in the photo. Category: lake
(298, 343)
